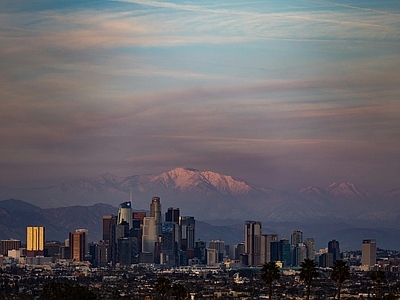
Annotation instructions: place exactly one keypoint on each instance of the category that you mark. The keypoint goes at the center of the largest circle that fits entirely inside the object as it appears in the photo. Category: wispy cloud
(262, 87)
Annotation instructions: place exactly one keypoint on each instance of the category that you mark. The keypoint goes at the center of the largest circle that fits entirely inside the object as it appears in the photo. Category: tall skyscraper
(155, 212)
(172, 215)
(368, 250)
(252, 230)
(125, 213)
(77, 245)
(109, 223)
(169, 245)
(35, 240)
(299, 254)
(333, 247)
(187, 227)
(310, 246)
(286, 257)
(297, 237)
(149, 237)
(86, 238)
(265, 244)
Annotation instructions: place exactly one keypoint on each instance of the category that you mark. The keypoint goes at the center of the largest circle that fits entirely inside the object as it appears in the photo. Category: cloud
(302, 91)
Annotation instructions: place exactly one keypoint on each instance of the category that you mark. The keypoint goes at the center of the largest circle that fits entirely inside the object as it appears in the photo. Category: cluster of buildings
(259, 248)
(132, 237)
(128, 238)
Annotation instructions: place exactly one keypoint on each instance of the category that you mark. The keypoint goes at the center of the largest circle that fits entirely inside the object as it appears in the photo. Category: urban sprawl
(146, 257)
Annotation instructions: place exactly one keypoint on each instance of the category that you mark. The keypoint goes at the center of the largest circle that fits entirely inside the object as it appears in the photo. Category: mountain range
(210, 197)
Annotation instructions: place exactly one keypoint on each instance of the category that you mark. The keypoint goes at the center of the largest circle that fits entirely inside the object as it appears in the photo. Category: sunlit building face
(35, 238)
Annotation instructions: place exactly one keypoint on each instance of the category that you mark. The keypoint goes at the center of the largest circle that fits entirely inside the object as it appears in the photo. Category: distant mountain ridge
(209, 195)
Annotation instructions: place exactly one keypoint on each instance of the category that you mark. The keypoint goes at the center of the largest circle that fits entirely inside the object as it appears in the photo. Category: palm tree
(379, 277)
(270, 273)
(163, 285)
(308, 271)
(340, 272)
(179, 291)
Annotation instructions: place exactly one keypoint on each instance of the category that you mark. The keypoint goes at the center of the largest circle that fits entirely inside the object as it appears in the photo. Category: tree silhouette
(379, 277)
(163, 285)
(68, 290)
(308, 271)
(270, 273)
(179, 291)
(340, 272)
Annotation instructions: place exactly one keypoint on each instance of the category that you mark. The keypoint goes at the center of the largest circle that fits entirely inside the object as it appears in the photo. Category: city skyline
(280, 94)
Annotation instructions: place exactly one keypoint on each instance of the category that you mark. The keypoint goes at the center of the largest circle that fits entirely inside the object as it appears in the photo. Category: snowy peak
(108, 178)
(187, 179)
(311, 190)
(347, 190)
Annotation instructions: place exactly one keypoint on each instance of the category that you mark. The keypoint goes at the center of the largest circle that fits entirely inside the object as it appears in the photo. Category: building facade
(368, 252)
(125, 213)
(155, 212)
(252, 247)
(77, 245)
(10, 244)
(35, 240)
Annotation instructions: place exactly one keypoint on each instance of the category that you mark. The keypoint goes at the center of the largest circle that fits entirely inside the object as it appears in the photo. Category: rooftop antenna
(130, 196)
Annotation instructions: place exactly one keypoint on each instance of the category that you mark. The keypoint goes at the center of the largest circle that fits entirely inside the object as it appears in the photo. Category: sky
(283, 94)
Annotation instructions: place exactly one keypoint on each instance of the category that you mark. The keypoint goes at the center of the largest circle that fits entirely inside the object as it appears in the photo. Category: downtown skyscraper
(155, 212)
(252, 232)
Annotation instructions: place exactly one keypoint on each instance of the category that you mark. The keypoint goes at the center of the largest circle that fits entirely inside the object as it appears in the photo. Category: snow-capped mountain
(211, 195)
(348, 191)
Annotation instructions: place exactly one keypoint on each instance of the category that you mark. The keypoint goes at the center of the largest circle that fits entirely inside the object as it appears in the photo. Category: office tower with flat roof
(297, 237)
(109, 226)
(220, 247)
(212, 256)
(187, 227)
(333, 247)
(149, 236)
(275, 251)
(86, 231)
(368, 252)
(11, 244)
(310, 246)
(155, 212)
(325, 260)
(125, 213)
(109, 223)
(172, 215)
(35, 240)
(265, 243)
(169, 245)
(299, 254)
(77, 245)
(52, 249)
(252, 247)
(286, 253)
(103, 255)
